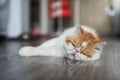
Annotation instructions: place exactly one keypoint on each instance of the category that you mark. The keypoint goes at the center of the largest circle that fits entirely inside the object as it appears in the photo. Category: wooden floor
(15, 67)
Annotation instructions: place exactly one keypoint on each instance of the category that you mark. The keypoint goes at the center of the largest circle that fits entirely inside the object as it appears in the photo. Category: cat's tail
(49, 48)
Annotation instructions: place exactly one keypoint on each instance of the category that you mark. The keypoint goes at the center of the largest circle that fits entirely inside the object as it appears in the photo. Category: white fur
(57, 47)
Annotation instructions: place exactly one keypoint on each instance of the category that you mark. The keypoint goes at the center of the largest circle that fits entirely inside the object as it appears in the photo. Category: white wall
(18, 20)
(25, 15)
(44, 16)
(76, 12)
(15, 21)
(116, 4)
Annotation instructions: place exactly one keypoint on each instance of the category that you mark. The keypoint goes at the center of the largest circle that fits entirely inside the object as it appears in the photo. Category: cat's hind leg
(49, 48)
(26, 51)
(45, 51)
(39, 50)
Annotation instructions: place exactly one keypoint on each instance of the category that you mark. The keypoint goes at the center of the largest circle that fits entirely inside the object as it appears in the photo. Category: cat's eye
(73, 44)
(97, 48)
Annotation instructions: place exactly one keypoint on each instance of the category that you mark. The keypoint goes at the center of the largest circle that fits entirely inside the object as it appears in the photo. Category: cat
(77, 43)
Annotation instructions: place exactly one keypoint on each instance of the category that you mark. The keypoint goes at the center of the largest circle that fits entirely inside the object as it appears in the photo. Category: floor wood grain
(15, 67)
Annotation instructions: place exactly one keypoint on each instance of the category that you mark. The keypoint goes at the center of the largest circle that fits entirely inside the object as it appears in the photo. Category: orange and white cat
(78, 43)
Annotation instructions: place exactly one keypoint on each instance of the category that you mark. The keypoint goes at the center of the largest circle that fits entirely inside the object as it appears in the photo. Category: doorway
(35, 17)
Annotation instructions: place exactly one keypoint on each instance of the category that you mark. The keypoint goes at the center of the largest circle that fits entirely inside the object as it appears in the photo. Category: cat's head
(86, 41)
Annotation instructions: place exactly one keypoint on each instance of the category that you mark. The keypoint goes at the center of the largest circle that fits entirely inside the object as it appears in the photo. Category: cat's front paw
(26, 51)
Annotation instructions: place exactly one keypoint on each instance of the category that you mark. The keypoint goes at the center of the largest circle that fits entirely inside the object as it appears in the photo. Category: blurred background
(32, 22)
(25, 19)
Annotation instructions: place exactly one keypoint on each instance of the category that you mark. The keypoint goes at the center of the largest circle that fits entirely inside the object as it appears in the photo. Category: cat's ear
(79, 29)
(100, 45)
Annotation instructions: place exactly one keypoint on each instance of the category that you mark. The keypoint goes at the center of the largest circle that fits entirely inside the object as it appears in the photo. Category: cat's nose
(78, 49)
